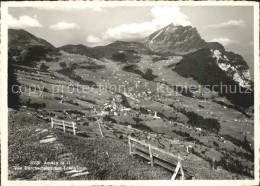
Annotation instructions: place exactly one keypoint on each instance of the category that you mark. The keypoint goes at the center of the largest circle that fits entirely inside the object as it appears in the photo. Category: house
(198, 129)
(126, 109)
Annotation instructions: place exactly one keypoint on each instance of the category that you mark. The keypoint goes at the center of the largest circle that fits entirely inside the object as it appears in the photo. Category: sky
(232, 26)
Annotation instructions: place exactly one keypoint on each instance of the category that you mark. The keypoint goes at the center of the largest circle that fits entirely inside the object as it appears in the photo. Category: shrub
(143, 110)
(183, 134)
(143, 127)
(63, 64)
(215, 144)
(148, 75)
(118, 57)
(44, 67)
(196, 120)
(137, 120)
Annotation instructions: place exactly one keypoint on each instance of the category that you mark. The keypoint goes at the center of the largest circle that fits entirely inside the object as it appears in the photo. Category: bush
(108, 118)
(148, 75)
(143, 127)
(183, 134)
(196, 120)
(36, 106)
(44, 67)
(63, 64)
(118, 57)
(143, 110)
(137, 120)
(125, 102)
(215, 144)
(159, 59)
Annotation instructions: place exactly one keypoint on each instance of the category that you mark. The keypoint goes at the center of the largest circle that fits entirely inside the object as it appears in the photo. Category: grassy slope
(24, 147)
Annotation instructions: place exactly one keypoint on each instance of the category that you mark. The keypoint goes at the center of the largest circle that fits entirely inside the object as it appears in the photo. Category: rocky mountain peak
(178, 40)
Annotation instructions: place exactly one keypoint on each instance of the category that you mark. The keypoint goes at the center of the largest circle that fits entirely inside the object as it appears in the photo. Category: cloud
(225, 41)
(64, 26)
(166, 15)
(127, 32)
(232, 24)
(162, 16)
(93, 40)
(22, 22)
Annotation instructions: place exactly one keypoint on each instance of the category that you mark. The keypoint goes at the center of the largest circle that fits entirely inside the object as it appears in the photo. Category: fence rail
(152, 154)
(64, 125)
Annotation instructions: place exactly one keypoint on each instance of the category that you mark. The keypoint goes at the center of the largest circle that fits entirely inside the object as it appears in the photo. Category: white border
(3, 94)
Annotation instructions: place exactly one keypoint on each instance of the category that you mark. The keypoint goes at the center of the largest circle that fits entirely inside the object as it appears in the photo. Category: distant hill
(25, 48)
(122, 45)
(108, 50)
(77, 49)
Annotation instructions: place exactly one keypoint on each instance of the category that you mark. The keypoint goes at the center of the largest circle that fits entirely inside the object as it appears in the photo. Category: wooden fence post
(179, 167)
(74, 130)
(213, 164)
(176, 171)
(130, 147)
(64, 129)
(52, 123)
(151, 155)
(182, 172)
(100, 129)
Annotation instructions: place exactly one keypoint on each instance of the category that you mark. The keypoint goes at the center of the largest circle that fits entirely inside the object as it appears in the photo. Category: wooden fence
(64, 125)
(157, 156)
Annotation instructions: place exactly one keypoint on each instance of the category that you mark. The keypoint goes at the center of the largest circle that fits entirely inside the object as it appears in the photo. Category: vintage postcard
(129, 93)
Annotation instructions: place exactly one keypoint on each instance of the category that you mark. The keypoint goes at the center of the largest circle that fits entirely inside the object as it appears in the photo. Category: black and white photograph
(130, 91)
